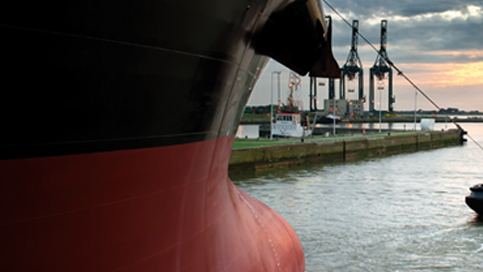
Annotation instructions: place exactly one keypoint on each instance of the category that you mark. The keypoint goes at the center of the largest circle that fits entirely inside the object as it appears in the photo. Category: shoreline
(336, 149)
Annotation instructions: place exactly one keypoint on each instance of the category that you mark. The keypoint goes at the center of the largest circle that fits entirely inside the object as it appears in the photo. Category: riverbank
(265, 154)
(403, 212)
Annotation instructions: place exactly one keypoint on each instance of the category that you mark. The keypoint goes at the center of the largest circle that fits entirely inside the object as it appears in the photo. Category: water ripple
(398, 213)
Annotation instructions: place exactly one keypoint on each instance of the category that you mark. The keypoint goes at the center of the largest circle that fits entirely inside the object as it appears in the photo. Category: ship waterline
(119, 121)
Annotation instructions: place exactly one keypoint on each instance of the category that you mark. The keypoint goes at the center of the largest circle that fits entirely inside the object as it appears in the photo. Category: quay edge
(258, 158)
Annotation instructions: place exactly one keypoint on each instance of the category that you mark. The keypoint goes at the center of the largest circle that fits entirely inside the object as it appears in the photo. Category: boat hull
(85, 80)
(117, 126)
(327, 120)
(475, 201)
(167, 208)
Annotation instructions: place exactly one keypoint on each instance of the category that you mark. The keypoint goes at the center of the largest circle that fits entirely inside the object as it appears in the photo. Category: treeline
(443, 111)
(266, 109)
(259, 109)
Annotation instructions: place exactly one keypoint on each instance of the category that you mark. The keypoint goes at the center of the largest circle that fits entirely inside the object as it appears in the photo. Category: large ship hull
(157, 209)
(118, 121)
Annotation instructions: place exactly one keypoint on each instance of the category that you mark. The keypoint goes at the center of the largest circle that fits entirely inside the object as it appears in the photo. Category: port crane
(352, 69)
(379, 71)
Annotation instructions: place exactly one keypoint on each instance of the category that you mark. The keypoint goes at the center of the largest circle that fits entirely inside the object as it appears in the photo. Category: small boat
(291, 125)
(328, 119)
(475, 199)
(288, 121)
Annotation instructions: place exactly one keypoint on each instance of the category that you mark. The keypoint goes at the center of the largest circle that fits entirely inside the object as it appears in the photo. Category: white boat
(290, 125)
(288, 121)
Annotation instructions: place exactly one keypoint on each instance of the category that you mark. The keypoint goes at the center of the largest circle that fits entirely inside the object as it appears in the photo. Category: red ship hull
(156, 209)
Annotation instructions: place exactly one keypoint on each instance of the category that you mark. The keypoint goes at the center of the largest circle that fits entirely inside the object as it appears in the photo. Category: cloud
(435, 42)
(407, 8)
(415, 27)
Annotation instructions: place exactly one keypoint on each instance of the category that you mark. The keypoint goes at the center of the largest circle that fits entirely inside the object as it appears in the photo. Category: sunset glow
(435, 43)
(445, 75)
(463, 74)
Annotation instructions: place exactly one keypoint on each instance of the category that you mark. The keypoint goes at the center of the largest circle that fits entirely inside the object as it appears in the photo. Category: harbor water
(403, 212)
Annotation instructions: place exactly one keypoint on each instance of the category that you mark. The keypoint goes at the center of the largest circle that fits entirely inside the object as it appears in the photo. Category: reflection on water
(398, 213)
(391, 126)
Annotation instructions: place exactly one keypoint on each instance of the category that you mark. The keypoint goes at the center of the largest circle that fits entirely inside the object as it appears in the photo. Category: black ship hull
(152, 74)
(475, 199)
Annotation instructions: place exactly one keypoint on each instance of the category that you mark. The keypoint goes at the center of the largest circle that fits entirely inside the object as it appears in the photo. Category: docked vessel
(289, 121)
(117, 126)
(329, 119)
(291, 125)
(475, 199)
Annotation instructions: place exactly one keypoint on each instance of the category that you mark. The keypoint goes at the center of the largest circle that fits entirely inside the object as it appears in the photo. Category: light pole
(333, 115)
(415, 102)
(380, 106)
(380, 88)
(271, 100)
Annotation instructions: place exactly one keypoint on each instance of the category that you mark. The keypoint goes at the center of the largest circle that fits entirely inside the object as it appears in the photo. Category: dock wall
(338, 151)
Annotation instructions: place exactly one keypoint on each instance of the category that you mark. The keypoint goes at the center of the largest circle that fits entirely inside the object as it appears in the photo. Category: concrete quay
(339, 149)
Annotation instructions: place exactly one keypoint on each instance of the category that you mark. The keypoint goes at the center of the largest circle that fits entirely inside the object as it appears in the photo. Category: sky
(438, 44)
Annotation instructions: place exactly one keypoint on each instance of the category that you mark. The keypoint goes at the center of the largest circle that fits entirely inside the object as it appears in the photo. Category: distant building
(340, 106)
(356, 107)
(344, 107)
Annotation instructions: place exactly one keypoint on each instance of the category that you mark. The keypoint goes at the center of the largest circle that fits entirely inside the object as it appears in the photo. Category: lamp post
(380, 88)
(415, 102)
(380, 112)
(271, 100)
(333, 115)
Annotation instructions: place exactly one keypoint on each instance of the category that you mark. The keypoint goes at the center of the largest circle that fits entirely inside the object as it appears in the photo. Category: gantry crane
(353, 66)
(379, 70)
